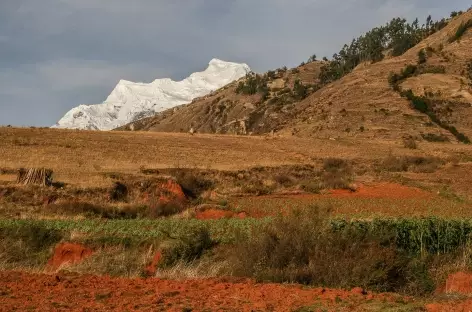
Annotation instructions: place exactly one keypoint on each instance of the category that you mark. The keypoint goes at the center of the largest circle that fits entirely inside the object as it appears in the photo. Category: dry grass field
(80, 157)
(89, 163)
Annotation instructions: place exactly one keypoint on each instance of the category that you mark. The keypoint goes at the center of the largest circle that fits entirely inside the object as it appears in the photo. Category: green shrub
(425, 106)
(253, 84)
(422, 57)
(27, 245)
(284, 180)
(312, 186)
(411, 163)
(433, 137)
(432, 69)
(461, 30)
(187, 248)
(300, 91)
(192, 182)
(300, 248)
(337, 173)
(119, 192)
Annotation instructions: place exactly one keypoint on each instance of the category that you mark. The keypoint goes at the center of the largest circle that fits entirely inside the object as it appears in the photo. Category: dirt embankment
(23, 291)
(66, 254)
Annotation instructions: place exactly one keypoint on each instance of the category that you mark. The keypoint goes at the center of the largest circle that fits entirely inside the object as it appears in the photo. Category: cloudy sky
(56, 54)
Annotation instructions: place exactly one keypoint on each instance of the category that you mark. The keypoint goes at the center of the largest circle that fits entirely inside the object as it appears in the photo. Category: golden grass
(82, 157)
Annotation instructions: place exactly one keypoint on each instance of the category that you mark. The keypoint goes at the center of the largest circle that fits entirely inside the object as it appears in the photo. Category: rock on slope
(131, 101)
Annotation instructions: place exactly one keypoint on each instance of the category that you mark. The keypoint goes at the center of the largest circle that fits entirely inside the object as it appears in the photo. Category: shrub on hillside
(27, 245)
(422, 57)
(119, 192)
(337, 173)
(284, 180)
(126, 212)
(192, 182)
(411, 163)
(187, 248)
(300, 91)
(431, 69)
(253, 84)
(300, 248)
(463, 27)
(433, 137)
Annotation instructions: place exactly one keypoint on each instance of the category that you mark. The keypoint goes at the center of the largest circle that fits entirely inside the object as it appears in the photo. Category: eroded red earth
(213, 214)
(60, 292)
(68, 253)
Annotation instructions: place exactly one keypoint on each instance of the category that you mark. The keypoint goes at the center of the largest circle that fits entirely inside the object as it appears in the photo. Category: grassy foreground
(411, 256)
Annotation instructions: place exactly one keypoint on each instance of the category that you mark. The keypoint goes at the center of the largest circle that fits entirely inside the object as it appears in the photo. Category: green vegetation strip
(418, 235)
(223, 230)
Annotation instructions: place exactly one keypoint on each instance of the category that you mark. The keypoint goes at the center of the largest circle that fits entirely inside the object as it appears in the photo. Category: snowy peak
(130, 101)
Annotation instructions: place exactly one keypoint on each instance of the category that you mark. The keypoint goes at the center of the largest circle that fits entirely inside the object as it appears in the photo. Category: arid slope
(361, 104)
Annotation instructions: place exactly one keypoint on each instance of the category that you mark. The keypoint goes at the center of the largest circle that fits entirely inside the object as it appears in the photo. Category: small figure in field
(191, 131)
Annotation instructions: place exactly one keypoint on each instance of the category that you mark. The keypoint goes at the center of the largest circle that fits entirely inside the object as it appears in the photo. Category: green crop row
(416, 235)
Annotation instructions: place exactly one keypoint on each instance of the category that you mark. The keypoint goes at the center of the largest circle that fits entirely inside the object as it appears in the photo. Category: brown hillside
(225, 111)
(361, 104)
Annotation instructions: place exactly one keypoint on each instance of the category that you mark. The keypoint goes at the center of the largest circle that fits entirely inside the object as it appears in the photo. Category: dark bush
(192, 182)
(411, 163)
(27, 244)
(461, 30)
(337, 173)
(422, 57)
(187, 248)
(433, 137)
(164, 209)
(284, 180)
(432, 69)
(300, 248)
(300, 91)
(75, 208)
(119, 192)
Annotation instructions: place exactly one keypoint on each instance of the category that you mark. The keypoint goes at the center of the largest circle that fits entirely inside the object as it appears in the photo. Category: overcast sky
(57, 54)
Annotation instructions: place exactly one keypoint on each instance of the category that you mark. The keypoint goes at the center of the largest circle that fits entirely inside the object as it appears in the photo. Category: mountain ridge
(130, 101)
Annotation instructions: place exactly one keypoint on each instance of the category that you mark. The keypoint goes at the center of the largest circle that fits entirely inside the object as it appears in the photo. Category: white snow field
(130, 101)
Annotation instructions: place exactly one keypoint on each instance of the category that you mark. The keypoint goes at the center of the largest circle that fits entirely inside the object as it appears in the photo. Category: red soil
(459, 283)
(453, 306)
(23, 291)
(213, 214)
(68, 253)
(381, 190)
(171, 191)
(151, 268)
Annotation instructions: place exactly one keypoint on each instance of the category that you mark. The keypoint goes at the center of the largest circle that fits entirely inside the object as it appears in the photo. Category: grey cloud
(56, 54)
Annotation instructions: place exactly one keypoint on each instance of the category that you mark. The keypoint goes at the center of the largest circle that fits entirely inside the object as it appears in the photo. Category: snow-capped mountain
(130, 101)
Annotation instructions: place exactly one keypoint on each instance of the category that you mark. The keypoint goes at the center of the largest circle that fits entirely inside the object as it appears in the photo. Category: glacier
(130, 101)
